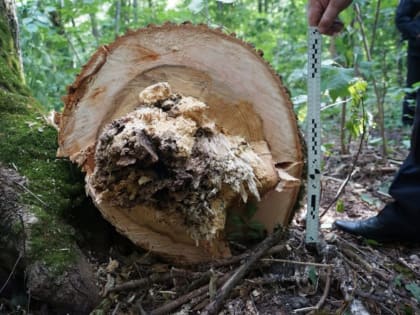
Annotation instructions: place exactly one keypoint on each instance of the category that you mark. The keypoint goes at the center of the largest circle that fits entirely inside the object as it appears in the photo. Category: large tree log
(176, 127)
(39, 257)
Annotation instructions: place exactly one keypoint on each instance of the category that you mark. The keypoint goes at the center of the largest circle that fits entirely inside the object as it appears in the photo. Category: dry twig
(157, 278)
(224, 291)
(236, 259)
(323, 297)
(169, 307)
(305, 263)
(11, 272)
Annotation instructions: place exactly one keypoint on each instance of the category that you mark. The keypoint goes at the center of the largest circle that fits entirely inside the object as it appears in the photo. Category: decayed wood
(169, 158)
(226, 107)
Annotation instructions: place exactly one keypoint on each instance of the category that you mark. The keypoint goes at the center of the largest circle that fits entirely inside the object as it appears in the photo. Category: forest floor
(342, 275)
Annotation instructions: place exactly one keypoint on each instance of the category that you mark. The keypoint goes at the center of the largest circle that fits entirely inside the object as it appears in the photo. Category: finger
(315, 10)
(314, 16)
(326, 23)
(333, 30)
(337, 27)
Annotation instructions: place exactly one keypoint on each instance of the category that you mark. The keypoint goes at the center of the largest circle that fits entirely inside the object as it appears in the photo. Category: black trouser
(405, 188)
(413, 76)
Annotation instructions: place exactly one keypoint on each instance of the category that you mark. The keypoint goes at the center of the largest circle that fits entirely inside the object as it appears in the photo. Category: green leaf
(251, 209)
(49, 9)
(235, 236)
(397, 281)
(196, 6)
(406, 143)
(327, 148)
(313, 277)
(357, 91)
(236, 220)
(31, 27)
(368, 198)
(302, 113)
(371, 242)
(257, 226)
(43, 19)
(27, 20)
(414, 289)
(337, 80)
(254, 235)
(416, 85)
(339, 207)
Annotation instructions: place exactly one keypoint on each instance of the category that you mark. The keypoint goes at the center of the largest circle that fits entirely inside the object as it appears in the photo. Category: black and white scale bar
(313, 135)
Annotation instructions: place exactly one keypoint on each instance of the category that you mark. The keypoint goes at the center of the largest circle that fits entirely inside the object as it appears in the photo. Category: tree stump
(178, 127)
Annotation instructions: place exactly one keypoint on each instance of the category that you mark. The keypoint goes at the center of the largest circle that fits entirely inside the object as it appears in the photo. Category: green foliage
(242, 226)
(58, 37)
(336, 81)
(358, 119)
(339, 207)
(414, 289)
(371, 242)
(398, 281)
(313, 276)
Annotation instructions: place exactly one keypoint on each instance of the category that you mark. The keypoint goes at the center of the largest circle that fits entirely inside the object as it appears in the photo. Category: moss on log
(29, 145)
(44, 193)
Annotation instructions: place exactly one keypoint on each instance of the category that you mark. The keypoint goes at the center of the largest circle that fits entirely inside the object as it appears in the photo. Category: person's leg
(399, 220)
(405, 188)
(413, 76)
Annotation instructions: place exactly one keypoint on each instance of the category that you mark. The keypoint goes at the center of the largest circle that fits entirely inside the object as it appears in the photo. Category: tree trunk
(8, 7)
(117, 17)
(135, 12)
(177, 128)
(39, 258)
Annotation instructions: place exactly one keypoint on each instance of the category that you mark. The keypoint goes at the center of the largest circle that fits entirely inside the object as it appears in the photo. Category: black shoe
(380, 229)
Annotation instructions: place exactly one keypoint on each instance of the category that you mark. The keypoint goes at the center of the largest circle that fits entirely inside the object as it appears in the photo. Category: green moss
(16, 228)
(10, 74)
(52, 242)
(29, 144)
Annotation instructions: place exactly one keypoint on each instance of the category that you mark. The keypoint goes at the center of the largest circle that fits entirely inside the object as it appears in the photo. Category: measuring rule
(313, 135)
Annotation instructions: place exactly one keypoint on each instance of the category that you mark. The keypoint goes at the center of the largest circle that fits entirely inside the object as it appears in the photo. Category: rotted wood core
(168, 155)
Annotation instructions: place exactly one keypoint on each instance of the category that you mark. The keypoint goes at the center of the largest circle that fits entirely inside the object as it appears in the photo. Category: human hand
(324, 15)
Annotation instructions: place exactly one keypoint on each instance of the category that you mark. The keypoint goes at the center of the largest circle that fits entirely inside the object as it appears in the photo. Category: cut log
(176, 127)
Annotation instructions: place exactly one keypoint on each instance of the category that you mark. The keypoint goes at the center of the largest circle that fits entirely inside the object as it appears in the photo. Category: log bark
(177, 127)
(39, 258)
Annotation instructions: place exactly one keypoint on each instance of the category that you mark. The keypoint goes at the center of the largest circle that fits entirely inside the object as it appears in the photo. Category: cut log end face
(168, 155)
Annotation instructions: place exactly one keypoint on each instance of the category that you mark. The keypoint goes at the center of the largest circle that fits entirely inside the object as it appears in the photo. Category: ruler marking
(313, 134)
